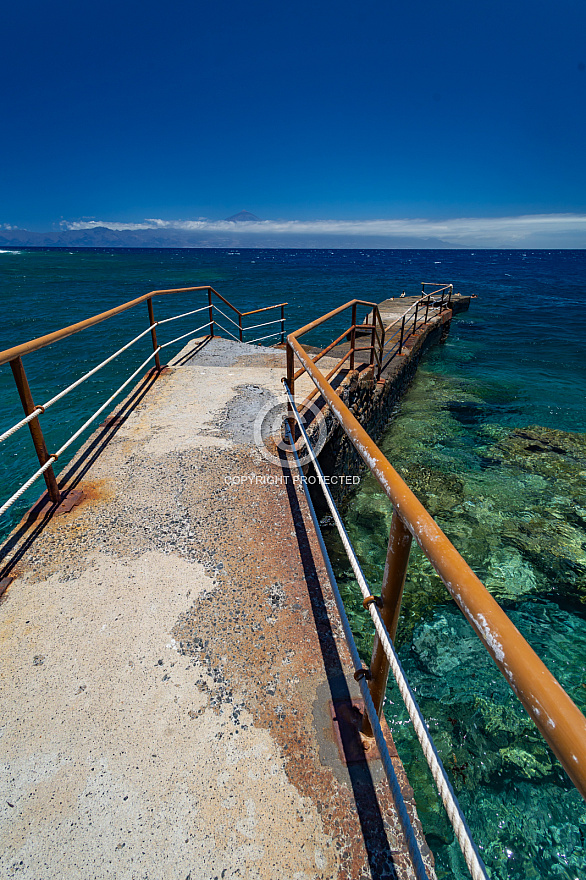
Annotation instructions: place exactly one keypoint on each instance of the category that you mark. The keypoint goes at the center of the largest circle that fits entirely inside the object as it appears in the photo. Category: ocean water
(491, 437)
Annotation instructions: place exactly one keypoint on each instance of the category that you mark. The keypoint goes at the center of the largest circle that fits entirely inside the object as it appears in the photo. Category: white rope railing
(36, 412)
(226, 316)
(41, 409)
(260, 338)
(266, 324)
(226, 331)
(440, 777)
(92, 418)
(28, 484)
(96, 369)
(185, 335)
(446, 792)
(184, 315)
(55, 455)
(45, 406)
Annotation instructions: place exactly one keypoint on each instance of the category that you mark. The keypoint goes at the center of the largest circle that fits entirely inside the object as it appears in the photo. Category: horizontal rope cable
(104, 405)
(36, 412)
(184, 315)
(74, 437)
(190, 333)
(266, 324)
(27, 485)
(40, 409)
(412, 843)
(446, 792)
(453, 809)
(252, 341)
(96, 369)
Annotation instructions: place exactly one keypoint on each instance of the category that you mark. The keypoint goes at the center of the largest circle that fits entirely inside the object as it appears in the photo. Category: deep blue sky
(341, 110)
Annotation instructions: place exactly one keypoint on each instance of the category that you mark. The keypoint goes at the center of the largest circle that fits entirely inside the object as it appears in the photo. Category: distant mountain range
(103, 237)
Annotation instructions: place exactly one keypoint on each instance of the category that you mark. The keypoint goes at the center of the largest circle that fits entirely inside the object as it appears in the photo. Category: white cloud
(467, 231)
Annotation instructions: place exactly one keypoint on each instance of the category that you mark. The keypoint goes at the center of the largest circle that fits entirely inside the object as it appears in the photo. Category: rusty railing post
(402, 334)
(415, 318)
(390, 608)
(381, 350)
(353, 336)
(372, 338)
(28, 405)
(426, 310)
(291, 387)
(240, 325)
(282, 324)
(211, 311)
(153, 333)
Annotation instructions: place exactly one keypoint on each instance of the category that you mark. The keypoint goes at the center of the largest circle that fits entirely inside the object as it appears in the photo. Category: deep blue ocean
(491, 437)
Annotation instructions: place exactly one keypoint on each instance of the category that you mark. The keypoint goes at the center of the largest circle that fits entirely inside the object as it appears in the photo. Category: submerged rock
(524, 764)
(551, 536)
(509, 575)
(545, 450)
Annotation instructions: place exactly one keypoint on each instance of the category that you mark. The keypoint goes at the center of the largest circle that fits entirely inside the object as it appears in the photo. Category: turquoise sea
(491, 437)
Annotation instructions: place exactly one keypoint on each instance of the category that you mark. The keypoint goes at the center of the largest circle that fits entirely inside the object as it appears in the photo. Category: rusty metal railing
(384, 345)
(33, 412)
(239, 325)
(556, 716)
(371, 327)
(436, 302)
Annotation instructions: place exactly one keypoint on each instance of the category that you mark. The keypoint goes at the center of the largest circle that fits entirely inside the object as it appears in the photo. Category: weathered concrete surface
(168, 652)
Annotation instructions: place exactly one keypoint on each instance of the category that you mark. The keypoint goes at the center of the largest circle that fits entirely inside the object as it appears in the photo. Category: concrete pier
(171, 657)
(372, 400)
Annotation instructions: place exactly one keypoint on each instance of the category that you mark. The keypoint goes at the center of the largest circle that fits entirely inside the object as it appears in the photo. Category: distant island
(243, 230)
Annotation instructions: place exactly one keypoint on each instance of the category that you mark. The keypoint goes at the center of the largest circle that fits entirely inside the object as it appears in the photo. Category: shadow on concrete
(188, 355)
(376, 843)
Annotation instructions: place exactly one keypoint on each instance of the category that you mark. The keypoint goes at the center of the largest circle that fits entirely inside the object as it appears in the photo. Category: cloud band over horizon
(465, 231)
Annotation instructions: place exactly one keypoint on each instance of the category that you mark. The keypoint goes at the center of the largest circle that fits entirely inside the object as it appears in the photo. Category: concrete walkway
(169, 654)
